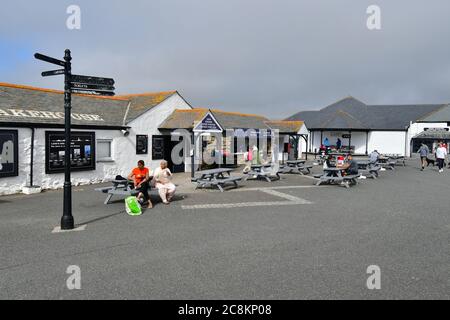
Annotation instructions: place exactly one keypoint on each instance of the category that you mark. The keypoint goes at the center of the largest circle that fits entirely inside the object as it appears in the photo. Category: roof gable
(141, 103)
(350, 113)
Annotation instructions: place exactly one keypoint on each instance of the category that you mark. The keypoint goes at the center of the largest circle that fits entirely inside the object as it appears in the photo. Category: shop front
(109, 136)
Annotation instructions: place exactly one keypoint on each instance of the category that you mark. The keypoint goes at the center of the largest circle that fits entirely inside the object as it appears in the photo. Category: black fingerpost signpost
(73, 84)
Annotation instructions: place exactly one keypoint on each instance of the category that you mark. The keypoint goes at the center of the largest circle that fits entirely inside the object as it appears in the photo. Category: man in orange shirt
(141, 178)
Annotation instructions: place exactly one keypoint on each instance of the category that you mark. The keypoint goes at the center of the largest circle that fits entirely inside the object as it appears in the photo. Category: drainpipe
(32, 156)
(31, 188)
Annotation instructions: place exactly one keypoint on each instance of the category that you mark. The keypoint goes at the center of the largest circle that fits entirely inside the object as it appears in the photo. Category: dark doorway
(176, 168)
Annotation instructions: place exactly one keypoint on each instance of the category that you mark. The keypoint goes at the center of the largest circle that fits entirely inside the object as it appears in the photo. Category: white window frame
(106, 159)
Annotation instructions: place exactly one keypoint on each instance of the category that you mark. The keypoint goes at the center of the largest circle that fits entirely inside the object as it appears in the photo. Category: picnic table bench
(369, 168)
(119, 187)
(334, 176)
(267, 172)
(296, 166)
(387, 162)
(397, 158)
(216, 178)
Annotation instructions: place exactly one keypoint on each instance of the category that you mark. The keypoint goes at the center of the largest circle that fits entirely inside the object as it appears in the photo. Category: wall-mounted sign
(208, 124)
(82, 151)
(9, 153)
(141, 144)
(346, 136)
(29, 114)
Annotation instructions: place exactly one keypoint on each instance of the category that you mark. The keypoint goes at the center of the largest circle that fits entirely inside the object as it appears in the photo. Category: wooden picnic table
(215, 173)
(263, 171)
(216, 178)
(119, 187)
(297, 166)
(387, 162)
(335, 176)
(369, 167)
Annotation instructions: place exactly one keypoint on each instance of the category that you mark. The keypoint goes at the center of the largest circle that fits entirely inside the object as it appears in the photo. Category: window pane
(103, 149)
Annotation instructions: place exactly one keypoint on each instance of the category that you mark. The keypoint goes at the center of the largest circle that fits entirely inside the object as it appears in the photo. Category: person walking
(441, 155)
(423, 151)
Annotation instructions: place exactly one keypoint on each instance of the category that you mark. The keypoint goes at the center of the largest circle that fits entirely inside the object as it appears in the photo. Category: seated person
(163, 182)
(373, 157)
(351, 167)
(141, 178)
(327, 163)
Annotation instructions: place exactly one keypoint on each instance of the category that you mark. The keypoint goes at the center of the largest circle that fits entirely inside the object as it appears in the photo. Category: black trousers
(440, 163)
(144, 190)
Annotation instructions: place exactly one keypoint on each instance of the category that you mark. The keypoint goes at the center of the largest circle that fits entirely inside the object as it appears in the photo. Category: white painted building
(108, 129)
(389, 129)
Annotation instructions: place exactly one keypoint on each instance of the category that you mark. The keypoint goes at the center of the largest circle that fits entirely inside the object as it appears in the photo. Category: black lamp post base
(67, 223)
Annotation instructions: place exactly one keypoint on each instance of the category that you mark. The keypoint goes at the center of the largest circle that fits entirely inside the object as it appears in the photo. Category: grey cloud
(258, 56)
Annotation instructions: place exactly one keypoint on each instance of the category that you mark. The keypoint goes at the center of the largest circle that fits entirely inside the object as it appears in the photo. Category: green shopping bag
(132, 206)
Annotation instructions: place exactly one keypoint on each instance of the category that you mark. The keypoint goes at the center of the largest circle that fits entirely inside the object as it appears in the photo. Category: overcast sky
(271, 57)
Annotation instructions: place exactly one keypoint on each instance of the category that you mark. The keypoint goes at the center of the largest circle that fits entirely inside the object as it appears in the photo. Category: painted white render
(390, 142)
(123, 151)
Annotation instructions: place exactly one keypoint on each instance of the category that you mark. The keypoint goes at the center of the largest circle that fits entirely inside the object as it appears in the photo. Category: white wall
(146, 124)
(123, 152)
(104, 170)
(358, 140)
(391, 142)
(416, 128)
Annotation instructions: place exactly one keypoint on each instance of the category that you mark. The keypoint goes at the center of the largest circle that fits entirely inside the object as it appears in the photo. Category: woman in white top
(163, 183)
(441, 155)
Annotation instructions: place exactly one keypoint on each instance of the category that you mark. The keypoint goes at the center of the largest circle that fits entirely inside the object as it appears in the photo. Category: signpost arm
(67, 221)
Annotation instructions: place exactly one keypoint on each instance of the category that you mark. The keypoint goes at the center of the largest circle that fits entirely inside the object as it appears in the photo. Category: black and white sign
(208, 124)
(9, 153)
(92, 80)
(82, 151)
(141, 144)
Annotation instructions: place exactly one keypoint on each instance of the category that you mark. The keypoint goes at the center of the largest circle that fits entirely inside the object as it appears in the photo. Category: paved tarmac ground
(282, 240)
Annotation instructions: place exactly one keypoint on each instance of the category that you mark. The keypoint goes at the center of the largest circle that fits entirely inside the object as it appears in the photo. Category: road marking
(292, 200)
(285, 196)
(78, 228)
(241, 205)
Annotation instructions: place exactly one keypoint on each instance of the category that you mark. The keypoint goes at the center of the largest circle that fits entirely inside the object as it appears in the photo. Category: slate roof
(434, 134)
(235, 120)
(187, 119)
(183, 119)
(111, 109)
(141, 103)
(350, 113)
(286, 126)
(440, 115)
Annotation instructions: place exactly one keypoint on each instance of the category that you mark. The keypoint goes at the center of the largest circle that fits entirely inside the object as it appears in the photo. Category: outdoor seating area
(216, 178)
(297, 166)
(268, 172)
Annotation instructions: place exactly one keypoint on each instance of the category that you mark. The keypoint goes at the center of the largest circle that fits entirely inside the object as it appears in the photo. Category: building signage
(82, 151)
(9, 155)
(346, 136)
(141, 144)
(25, 114)
(208, 124)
